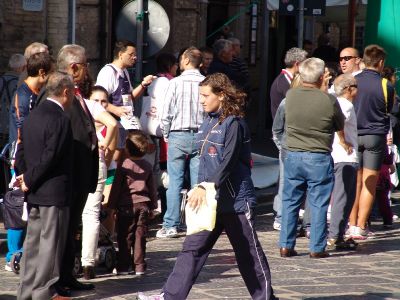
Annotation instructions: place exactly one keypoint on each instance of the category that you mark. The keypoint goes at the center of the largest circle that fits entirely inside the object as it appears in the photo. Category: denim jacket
(225, 159)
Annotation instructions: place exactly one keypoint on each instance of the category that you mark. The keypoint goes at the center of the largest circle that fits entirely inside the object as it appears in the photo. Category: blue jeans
(312, 173)
(181, 152)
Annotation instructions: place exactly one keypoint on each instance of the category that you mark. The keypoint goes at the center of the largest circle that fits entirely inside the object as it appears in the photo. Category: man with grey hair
(281, 84)
(71, 59)
(312, 117)
(223, 57)
(278, 91)
(44, 160)
(345, 165)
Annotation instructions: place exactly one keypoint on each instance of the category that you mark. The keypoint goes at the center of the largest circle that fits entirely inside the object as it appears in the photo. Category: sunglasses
(346, 58)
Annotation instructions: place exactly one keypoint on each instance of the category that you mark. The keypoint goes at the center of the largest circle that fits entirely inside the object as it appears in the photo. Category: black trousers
(72, 244)
(250, 257)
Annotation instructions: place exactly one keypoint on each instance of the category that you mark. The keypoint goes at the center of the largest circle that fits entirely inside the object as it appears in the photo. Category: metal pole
(301, 25)
(71, 21)
(139, 41)
(73, 27)
(262, 98)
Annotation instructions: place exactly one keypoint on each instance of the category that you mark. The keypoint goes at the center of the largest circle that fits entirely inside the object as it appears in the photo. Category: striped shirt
(181, 108)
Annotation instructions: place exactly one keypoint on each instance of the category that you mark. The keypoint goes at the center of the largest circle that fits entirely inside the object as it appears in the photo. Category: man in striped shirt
(182, 115)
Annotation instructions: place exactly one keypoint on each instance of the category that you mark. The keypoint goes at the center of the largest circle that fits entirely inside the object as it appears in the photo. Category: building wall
(19, 28)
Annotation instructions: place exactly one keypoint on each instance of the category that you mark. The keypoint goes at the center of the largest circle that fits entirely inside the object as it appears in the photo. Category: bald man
(349, 60)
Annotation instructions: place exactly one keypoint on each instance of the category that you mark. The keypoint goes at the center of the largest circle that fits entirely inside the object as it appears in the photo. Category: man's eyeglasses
(352, 86)
(346, 58)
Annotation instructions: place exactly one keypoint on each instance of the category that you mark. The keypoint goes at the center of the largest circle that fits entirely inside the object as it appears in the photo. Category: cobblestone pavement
(372, 272)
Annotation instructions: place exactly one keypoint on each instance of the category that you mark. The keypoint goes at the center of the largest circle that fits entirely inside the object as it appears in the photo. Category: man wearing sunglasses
(349, 61)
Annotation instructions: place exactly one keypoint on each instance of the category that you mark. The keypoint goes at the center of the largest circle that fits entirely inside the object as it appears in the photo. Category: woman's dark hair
(164, 62)
(388, 72)
(98, 88)
(234, 100)
(136, 144)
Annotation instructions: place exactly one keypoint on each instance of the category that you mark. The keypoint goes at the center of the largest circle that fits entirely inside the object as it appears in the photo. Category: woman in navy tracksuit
(225, 156)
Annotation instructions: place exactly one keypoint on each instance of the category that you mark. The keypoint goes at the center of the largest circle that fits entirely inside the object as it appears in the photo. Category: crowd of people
(335, 137)
(79, 149)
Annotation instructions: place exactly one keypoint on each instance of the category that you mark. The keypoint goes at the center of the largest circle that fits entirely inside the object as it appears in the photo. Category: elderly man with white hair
(312, 117)
(345, 165)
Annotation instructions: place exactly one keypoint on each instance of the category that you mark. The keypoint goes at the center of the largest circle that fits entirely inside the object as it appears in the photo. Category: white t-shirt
(350, 133)
(108, 78)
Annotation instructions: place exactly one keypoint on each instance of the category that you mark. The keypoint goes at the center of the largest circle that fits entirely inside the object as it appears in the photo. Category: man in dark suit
(44, 160)
(72, 60)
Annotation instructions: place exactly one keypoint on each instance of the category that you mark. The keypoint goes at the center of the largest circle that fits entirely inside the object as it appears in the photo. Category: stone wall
(19, 28)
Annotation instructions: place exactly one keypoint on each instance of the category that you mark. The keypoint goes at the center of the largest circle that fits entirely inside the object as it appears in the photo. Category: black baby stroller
(106, 254)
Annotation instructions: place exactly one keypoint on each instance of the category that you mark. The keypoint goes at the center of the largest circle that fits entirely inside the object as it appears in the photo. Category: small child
(383, 188)
(134, 196)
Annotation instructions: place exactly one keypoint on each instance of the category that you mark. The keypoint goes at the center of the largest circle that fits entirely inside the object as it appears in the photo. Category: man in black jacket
(72, 60)
(44, 161)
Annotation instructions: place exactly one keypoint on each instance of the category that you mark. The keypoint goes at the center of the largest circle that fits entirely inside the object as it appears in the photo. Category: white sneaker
(167, 233)
(142, 296)
(276, 226)
(7, 267)
(362, 234)
(350, 230)
(395, 217)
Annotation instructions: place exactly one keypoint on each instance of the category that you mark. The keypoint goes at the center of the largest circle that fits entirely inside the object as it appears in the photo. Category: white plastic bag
(152, 107)
(204, 218)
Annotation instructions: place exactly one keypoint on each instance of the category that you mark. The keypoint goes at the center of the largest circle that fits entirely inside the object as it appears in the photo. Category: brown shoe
(322, 254)
(287, 252)
(88, 273)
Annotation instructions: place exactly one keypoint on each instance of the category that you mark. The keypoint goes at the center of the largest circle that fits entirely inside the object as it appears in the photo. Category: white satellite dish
(156, 26)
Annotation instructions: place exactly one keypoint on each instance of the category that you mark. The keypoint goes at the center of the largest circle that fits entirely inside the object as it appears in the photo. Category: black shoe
(62, 291)
(74, 284)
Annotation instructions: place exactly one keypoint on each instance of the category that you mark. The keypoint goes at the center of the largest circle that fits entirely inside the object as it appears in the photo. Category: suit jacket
(86, 159)
(45, 156)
